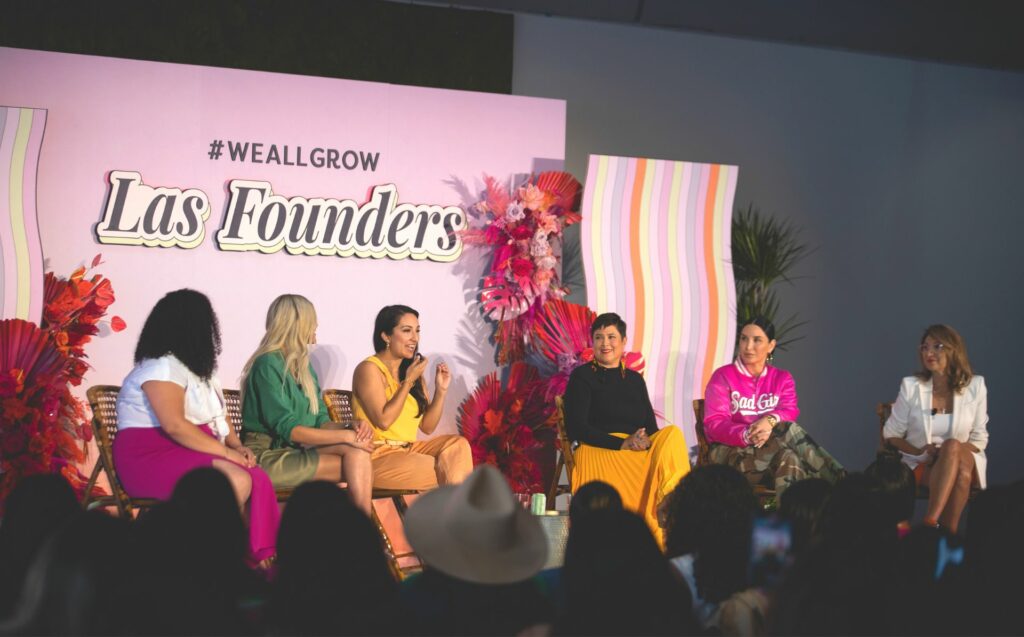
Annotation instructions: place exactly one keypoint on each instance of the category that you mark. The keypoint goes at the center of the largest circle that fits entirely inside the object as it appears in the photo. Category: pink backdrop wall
(160, 119)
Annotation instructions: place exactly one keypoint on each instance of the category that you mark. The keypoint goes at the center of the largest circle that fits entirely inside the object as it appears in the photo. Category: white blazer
(911, 417)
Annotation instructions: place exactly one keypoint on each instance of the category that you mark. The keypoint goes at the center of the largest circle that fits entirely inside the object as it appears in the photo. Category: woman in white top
(171, 417)
(938, 423)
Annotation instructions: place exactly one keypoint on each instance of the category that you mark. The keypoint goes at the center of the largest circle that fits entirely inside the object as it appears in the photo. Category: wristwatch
(772, 420)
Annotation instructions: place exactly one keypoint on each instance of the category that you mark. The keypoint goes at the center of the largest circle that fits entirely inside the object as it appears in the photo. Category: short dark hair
(606, 320)
(184, 324)
(711, 514)
(594, 496)
(897, 484)
(764, 324)
(801, 505)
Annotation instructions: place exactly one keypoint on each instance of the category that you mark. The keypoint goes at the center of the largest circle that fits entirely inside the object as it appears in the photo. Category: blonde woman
(284, 417)
(391, 393)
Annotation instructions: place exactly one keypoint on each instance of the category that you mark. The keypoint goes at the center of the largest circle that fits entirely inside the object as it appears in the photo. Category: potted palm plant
(764, 253)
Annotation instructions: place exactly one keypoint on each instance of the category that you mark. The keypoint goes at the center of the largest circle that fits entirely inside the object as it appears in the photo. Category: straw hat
(476, 531)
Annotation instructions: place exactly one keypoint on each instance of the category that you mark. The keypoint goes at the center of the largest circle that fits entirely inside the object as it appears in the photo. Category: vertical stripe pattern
(656, 250)
(21, 286)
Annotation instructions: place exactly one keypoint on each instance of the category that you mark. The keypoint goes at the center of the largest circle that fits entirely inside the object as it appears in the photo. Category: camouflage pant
(789, 455)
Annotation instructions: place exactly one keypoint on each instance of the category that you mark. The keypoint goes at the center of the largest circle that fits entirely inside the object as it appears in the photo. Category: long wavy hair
(182, 323)
(711, 515)
(958, 367)
(291, 323)
(385, 323)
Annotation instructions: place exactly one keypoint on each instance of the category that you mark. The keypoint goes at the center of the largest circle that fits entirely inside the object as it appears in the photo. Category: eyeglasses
(938, 348)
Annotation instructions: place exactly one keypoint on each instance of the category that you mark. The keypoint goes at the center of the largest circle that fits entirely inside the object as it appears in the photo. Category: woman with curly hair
(171, 416)
(939, 424)
(708, 522)
(284, 416)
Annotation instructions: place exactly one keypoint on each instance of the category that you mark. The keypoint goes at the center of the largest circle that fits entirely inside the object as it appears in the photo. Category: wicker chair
(765, 495)
(339, 407)
(233, 406)
(103, 402)
(566, 460)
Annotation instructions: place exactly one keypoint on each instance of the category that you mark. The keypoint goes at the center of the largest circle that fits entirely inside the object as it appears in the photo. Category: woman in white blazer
(938, 424)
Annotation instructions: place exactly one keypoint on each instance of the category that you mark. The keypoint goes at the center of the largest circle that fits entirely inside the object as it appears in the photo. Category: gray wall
(905, 175)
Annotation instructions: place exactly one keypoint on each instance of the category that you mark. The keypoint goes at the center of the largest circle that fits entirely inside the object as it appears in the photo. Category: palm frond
(566, 190)
(471, 413)
(765, 250)
(25, 346)
(562, 329)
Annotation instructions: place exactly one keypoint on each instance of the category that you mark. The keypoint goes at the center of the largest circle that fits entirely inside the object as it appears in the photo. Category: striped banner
(655, 241)
(21, 256)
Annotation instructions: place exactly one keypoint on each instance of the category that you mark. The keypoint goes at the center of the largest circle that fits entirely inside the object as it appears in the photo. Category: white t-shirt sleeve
(165, 368)
(134, 410)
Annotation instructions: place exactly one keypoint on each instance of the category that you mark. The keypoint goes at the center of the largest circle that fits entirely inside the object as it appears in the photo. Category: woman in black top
(608, 411)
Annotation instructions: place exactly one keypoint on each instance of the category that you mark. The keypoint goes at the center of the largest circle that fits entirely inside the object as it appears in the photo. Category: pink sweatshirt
(734, 399)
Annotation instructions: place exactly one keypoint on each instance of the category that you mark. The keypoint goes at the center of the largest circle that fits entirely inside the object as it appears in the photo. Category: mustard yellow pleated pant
(642, 478)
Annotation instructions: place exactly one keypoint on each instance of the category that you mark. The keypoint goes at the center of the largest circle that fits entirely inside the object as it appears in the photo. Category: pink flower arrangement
(525, 226)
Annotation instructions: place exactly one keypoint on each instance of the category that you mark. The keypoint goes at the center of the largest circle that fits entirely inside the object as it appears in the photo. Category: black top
(604, 400)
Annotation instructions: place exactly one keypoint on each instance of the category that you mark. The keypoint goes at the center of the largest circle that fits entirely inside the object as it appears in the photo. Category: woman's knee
(672, 434)
(355, 457)
(239, 478)
(966, 463)
(459, 448)
(950, 447)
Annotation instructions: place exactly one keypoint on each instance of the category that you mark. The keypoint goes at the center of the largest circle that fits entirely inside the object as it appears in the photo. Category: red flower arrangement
(502, 424)
(525, 226)
(42, 423)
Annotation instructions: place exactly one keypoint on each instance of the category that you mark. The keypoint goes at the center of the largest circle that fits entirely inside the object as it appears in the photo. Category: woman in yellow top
(391, 393)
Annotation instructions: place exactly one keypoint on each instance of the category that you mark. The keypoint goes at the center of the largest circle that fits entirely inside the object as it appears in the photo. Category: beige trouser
(424, 464)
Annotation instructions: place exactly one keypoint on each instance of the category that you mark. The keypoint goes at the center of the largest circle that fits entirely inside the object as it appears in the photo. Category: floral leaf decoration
(524, 225)
(32, 382)
(561, 334)
(501, 424)
(44, 425)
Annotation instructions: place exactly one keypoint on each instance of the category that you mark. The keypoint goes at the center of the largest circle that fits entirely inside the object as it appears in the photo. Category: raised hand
(416, 369)
(443, 377)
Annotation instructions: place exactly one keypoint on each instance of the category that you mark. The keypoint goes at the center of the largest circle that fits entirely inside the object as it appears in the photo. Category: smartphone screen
(770, 543)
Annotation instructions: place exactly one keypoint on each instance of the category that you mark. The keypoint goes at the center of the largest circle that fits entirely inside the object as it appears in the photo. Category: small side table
(556, 528)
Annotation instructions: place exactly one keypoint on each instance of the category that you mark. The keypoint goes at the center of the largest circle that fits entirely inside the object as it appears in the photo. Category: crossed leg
(344, 463)
(949, 484)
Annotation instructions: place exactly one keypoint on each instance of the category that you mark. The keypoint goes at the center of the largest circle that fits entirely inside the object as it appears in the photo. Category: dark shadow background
(350, 39)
